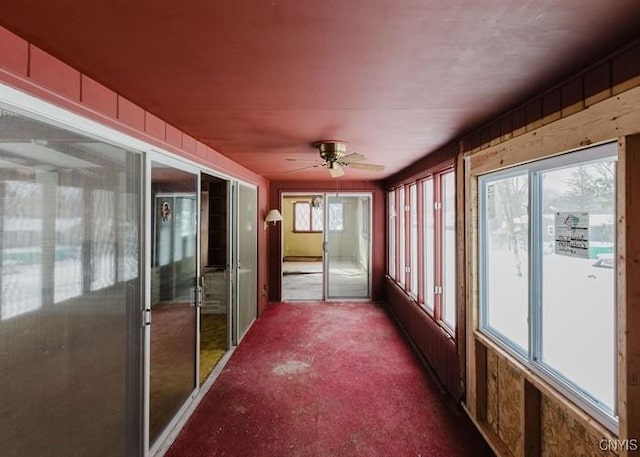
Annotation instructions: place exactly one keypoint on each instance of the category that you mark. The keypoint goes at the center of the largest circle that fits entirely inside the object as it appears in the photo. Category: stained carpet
(213, 342)
(326, 379)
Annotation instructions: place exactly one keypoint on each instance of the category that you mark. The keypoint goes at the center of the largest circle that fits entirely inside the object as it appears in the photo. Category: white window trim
(592, 406)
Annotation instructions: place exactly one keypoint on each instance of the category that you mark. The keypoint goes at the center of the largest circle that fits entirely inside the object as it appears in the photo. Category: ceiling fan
(334, 157)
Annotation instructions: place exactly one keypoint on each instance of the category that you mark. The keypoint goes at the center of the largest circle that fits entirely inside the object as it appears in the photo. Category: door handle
(325, 245)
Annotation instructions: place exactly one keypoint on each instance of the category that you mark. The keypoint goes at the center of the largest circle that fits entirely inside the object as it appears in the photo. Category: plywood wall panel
(492, 390)
(510, 395)
(562, 436)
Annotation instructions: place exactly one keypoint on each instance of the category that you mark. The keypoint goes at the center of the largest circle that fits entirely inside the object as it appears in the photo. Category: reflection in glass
(22, 247)
(581, 290)
(173, 279)
(348, 249)
(69, 234)
(507, 257)
(69, 330)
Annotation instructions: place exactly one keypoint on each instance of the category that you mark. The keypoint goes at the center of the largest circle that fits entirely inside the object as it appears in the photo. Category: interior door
(172, 320)
(247, 252)
(347, 232)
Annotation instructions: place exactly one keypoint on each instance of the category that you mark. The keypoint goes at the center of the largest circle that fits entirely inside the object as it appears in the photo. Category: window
(422, 237)
(547, 246)
(401, 237)
(429, 244)
(413, 236)
(448, 183)
(506, 258)
(307, 217)
(391, 225)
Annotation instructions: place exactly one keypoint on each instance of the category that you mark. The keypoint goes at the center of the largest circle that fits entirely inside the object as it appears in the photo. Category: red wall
(31, 70)
(337, 185)
(433, 343)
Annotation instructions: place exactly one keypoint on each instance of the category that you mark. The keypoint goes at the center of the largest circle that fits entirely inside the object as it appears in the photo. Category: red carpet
(330, 380)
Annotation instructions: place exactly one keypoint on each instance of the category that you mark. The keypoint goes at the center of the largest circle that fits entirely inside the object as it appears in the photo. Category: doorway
(214, 261)
(326, 246)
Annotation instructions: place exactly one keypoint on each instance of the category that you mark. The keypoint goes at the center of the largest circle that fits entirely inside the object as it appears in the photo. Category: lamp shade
(273, 216)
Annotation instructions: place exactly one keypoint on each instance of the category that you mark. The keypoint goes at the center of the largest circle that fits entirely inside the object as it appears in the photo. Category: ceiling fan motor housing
(331, 150)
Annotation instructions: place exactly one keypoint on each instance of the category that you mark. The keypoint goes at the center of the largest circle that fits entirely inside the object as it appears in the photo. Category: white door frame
(165, 159)
(325, 271)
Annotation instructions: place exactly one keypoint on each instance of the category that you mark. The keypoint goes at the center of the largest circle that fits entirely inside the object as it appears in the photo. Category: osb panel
(492, 390)
(510, 385)
(562, 436)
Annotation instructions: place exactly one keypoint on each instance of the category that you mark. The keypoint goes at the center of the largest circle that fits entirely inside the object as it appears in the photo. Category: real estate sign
(572, 234)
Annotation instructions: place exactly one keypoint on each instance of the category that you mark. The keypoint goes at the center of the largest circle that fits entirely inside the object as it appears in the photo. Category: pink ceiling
(260, 80)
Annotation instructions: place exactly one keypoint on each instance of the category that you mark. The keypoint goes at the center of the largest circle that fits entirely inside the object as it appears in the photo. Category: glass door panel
(173, 329)
(348, 245)
(247, 215)
(70, 302)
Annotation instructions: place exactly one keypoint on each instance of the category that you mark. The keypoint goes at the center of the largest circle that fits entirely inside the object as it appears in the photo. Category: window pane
(401, 235)
(414, 239)
(69, 328)
(578, 285)
(505, 247)
(449, 249)
(22, 243)
(336, 218)
(302, 216)
(392, 234)
(429, 233)
(69, 237)
(316, 218)
(103, 249)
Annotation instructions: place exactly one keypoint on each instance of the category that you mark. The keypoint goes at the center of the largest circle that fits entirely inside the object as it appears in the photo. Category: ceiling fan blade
(303, 168)
(366, 166)
(353, 157)
(335, 170)
(302, 160)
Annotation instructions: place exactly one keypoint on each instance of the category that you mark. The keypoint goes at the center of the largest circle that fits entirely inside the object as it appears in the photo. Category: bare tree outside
(512, 214)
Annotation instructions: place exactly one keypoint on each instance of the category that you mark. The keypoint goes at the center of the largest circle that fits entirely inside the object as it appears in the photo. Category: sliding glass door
(347, 233)
(70, 292)
(173, 311)
(246, 258)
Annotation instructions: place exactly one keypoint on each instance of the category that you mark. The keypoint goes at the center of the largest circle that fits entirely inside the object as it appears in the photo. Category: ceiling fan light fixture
(334, 157)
